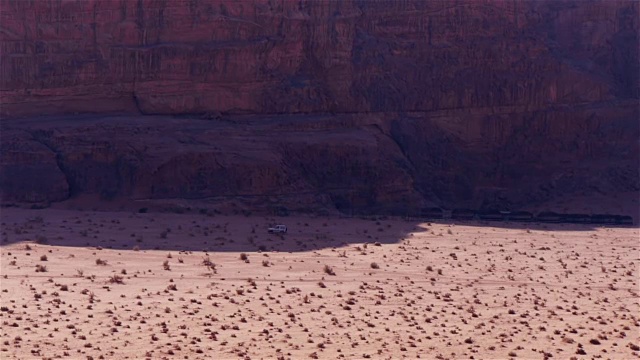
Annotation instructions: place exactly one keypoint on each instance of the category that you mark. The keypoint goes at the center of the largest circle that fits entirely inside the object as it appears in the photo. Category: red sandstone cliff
(266, 56)
(445, 102)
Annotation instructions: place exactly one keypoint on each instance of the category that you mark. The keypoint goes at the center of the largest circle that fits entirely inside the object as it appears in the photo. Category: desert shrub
(116, 279)
(329, 270)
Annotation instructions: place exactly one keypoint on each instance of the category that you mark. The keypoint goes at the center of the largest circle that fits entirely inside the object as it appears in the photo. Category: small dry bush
(329, 270)
(209, 264)
(116, 279)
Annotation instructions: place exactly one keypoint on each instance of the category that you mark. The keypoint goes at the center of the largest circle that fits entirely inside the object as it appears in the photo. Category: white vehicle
(278, 229)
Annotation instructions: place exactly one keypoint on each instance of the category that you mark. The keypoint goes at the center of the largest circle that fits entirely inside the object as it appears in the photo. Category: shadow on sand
(195, 232)
(198, 232)
(528, 225)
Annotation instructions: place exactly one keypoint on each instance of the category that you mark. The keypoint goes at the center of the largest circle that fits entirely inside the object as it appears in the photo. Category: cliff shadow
(529, 225)
(220, 233)
(544, 221)
(195, 232)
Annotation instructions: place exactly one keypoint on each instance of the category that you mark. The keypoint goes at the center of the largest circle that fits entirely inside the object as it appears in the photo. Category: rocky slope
(378, 105)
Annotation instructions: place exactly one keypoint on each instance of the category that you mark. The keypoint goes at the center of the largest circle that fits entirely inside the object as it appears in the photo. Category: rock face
(321, 164)
(369, 104)
(266, 56)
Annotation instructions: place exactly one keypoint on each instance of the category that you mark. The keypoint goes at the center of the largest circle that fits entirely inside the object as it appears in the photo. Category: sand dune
(116, 285)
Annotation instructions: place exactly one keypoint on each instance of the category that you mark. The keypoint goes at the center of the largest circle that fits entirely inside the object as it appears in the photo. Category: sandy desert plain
(125, 285)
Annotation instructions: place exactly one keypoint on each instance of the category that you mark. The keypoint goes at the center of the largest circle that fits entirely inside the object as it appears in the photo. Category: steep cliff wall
(378, 105)
(268, 56)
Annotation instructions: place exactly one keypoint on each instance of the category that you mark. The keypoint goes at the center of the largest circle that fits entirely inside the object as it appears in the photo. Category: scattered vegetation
(116, 279)
(329, 270)
(209, 264)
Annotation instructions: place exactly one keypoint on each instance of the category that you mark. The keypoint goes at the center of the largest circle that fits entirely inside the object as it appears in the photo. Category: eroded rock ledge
(379, 163)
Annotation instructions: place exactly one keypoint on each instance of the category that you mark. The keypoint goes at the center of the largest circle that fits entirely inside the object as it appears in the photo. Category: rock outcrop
(378, 105)
(386, 163)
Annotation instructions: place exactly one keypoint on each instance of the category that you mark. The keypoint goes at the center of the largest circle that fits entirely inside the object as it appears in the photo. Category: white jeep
(278, 229)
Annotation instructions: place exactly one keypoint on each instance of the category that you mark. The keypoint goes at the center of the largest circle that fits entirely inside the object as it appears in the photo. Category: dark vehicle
(624, 220)
(549, 217)
(491, 215)
(604, 219)
(576, 218)
(522, 216)
(432, 213)
(463, 214)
